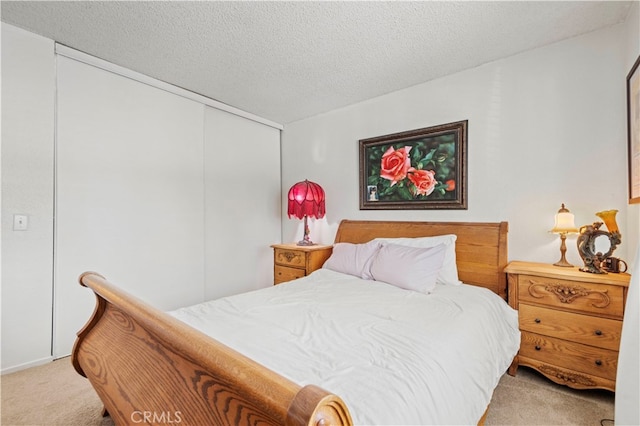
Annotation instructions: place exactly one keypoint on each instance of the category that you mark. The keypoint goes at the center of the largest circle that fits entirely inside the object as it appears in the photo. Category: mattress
(394, 356)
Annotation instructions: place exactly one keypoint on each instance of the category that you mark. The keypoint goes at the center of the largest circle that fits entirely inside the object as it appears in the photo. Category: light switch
(20, 222)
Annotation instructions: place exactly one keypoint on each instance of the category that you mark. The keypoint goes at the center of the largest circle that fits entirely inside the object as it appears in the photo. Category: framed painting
(633, 130)
(417, 169)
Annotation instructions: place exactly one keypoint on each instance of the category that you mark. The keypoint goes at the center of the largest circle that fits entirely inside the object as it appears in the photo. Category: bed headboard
(481, 248)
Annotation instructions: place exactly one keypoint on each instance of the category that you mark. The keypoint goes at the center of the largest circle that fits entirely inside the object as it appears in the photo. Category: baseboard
(26, 365)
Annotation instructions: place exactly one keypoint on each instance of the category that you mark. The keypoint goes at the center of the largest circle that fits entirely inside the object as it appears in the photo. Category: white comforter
(394, 356)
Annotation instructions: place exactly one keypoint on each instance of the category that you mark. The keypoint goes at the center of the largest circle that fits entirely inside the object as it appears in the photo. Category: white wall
(546, 127)
(27, 188)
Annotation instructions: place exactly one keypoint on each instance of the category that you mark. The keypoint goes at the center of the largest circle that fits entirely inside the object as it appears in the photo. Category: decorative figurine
(587, 242)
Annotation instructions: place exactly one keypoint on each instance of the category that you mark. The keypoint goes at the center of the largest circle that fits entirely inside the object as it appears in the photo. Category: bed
(158, 367)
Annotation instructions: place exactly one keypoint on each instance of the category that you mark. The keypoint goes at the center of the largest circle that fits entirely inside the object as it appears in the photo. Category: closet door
(242, 199)
(129, 194)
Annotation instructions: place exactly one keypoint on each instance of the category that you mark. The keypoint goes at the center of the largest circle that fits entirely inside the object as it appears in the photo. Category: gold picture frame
(633, 130)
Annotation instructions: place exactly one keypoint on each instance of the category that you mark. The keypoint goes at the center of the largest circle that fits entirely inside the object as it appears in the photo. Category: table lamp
(306, 199)
(590, 235)
(564, 225)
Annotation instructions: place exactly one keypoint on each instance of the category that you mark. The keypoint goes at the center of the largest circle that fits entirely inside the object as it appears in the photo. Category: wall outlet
(20, 222)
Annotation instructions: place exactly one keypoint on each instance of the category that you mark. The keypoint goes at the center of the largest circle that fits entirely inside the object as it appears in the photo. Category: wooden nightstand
(570, 322)
(291, 261)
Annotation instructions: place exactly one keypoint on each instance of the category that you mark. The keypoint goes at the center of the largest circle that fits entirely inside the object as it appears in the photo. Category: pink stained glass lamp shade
(306, 199)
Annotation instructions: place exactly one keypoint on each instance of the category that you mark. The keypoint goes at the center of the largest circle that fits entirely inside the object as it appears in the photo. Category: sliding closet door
(129, 194)
(242, 199)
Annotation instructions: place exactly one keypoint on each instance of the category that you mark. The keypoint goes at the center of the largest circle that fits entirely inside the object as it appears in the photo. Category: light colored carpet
(54, 394)
(531, 399)
(50, 394)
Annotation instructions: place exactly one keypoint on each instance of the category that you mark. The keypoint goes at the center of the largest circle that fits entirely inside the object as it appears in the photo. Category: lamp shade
(609, 218)
(306, 198)
(565, 223)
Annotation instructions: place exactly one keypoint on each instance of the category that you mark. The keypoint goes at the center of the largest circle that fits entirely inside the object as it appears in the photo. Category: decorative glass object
(592, 241)
(609, 218)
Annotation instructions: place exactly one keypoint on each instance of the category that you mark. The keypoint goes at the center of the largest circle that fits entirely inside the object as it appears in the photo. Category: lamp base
(587, 247)
(592, 269)
(563, 262)
(306, 241)
(563, 250)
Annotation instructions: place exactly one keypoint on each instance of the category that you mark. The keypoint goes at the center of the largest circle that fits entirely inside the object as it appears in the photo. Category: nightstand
(570, 322)
(291, 261)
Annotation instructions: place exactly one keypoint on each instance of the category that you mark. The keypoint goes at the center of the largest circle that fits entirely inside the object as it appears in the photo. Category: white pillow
(353, 259)
(449, 272)
(411, 268)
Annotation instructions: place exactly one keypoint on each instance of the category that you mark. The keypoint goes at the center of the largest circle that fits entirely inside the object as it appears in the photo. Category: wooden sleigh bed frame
(147, 366)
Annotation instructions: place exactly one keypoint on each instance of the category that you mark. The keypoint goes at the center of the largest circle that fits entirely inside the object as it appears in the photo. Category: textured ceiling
(286, 61)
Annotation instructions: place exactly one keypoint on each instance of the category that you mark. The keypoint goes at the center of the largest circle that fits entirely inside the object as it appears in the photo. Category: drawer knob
(537, 320)
(598, 332)
(538, 347)
(598, 362)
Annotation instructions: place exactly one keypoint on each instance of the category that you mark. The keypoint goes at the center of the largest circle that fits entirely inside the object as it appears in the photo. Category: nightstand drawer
(575, 356)
(291, 261)
(589, 330)
(600, 299)
(292, 258)
(283, 273)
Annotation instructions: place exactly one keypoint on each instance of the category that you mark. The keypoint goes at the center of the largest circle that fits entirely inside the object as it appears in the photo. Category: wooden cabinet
(291, 261)
(570, 322)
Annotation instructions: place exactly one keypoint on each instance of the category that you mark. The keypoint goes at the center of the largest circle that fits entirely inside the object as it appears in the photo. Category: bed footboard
(148, 367)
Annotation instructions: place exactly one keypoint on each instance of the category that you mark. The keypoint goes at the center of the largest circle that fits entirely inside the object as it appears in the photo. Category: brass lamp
(587, 249)
(564, 225)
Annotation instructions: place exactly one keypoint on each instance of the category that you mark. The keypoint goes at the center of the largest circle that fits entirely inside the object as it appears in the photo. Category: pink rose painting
(417, 169)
